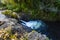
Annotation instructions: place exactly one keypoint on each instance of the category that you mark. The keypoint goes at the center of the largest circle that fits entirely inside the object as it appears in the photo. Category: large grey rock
(13, 25)
(10, 22)
(37, 36)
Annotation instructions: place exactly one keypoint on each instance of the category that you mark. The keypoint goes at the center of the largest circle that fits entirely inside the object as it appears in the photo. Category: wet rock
(24, 16)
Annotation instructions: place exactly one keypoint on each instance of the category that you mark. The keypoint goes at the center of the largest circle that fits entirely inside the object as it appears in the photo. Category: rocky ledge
(10, 29)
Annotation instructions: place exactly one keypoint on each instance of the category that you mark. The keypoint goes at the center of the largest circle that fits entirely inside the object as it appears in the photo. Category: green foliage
(23, 5)
(10, 13)
(33, 7)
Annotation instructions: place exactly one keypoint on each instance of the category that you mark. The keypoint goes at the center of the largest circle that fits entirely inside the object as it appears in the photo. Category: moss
(10, 13)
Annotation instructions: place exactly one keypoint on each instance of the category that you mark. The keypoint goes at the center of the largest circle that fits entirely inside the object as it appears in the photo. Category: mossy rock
(10, 13)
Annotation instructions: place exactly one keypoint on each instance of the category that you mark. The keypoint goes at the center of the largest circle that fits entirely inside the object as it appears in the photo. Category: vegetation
(10, 13)
(33, 8)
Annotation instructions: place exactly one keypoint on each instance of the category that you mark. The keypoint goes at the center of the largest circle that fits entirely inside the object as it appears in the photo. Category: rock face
(36, 36)
(19, 30)
(13, 23)
(6, 21)
(13, 27)
(28, 26)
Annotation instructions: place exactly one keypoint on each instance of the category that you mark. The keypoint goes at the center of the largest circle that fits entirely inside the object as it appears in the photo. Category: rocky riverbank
(10, 29)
